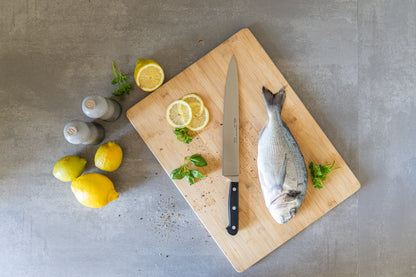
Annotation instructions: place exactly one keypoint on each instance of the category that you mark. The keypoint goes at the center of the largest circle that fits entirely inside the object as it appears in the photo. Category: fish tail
(274, 101)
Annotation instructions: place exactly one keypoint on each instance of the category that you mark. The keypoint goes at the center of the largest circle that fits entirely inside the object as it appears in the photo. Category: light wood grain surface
(259, 234)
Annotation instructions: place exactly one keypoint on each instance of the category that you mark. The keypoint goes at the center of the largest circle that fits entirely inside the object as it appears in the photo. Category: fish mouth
(292, 212)
(282, 219)
(279, 196)
(283, 208)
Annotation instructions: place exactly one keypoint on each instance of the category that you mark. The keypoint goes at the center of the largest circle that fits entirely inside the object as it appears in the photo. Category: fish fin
(274, 100)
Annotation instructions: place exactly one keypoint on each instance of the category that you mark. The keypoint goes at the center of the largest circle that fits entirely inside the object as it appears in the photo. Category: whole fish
(282, 170)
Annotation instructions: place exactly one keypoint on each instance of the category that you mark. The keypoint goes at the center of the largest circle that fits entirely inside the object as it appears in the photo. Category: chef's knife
(230, 143)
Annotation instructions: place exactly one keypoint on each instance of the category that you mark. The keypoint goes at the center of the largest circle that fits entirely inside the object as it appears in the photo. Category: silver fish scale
(283, 183)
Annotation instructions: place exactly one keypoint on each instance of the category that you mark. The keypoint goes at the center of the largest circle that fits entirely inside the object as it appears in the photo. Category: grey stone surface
(351, 62)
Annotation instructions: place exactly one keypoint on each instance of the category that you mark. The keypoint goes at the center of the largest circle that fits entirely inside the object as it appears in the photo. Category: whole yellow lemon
(108, 156)
(68, 168)
(94, 190)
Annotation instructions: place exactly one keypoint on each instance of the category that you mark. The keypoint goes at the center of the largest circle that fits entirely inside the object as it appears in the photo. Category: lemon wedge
(179, 114)
(195, 102)
(148, 75)
(199, 122)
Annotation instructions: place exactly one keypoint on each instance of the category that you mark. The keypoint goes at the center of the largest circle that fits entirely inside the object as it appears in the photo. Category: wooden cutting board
(259, 234)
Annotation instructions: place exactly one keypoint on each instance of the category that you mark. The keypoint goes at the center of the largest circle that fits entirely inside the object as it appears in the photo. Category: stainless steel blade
(230, 128)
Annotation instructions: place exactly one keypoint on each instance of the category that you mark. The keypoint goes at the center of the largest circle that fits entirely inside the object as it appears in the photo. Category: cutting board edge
(244, 268)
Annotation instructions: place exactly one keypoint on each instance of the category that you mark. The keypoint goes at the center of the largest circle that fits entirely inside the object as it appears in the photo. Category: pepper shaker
(96, 106)
(79, 132)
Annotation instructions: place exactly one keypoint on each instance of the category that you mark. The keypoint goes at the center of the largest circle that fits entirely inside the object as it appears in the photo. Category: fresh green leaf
(123, 87)
(117, 93)
(197, 160)
(181, 134)
(317, 183)
(177, 174)
(189, 174)
(190, 179)
(178, 131)
(188, 139)
(319, 173)
(196, 174)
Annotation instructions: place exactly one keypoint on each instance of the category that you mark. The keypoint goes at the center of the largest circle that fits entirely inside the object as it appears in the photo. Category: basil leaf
(177, 174)
(196, 174)
(197, 160)
(190, 179)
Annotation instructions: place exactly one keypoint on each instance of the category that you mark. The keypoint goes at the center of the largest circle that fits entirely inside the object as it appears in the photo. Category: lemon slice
(199, 122)
(195, 102)
(148, 75)
(179, 114)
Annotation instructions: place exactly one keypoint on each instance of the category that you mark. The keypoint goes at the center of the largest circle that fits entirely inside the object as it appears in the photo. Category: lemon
(199, 122)
(179, 114)
(195, 102)
(94, 190)
(148, 75)
(68, 168)
(108, 156)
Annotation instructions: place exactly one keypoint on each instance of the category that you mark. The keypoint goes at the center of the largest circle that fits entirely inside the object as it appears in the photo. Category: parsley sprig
(182, 135)
(123, 87)
(319, 173)
(187, 173)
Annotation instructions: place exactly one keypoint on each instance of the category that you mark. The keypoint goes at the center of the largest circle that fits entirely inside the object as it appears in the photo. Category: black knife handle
(232, 229)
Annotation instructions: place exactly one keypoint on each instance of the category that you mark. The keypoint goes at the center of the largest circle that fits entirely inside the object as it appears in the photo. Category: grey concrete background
(351, 62)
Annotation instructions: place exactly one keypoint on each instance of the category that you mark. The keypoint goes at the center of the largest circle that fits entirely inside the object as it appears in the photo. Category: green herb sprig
(123, 87)
(182, 135)
(319, 173)
(189, 174)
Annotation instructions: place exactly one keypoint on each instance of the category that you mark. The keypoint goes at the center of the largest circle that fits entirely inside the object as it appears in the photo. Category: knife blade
(230, 140)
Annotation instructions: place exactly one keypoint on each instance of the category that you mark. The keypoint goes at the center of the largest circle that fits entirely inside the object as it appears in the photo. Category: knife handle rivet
(234, 208)
(233, 227)
(234, 188)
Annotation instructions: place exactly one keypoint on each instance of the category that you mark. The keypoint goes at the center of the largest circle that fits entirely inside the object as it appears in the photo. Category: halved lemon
(179, 114)
(148, 75)
(199, 122)
(195, 102)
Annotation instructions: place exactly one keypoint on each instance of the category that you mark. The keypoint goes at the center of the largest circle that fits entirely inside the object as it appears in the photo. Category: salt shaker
(96, 106)
(79, 132)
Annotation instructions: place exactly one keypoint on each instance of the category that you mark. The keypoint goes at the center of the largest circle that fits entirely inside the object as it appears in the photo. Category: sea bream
(282, 170)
